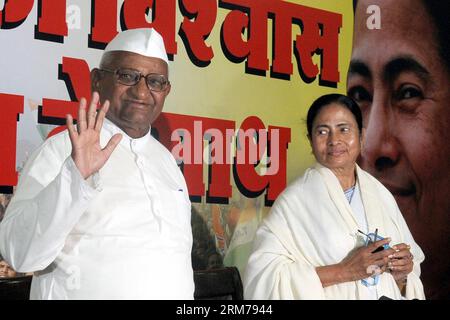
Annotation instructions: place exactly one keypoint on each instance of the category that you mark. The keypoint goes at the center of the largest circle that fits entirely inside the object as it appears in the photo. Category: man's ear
(96, 76)
(169, 87)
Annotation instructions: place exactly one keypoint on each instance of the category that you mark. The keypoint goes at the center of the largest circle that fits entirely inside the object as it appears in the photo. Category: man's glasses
(155, 82)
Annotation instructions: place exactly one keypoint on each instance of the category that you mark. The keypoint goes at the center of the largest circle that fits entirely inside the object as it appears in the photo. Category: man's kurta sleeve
(50, 199)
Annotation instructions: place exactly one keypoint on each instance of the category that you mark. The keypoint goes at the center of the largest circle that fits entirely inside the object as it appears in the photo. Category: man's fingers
(81, 122)
(73, 133)
(112, 144)
(101, 116)
(92, 110)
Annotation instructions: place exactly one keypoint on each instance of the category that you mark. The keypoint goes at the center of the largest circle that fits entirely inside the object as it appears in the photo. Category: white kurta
(311, 224)
(123, 234)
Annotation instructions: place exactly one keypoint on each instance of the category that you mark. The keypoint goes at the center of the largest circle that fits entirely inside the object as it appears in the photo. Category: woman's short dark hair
(328, 99)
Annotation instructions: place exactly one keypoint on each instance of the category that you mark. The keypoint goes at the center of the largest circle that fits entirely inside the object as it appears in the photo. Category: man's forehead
(125, 59)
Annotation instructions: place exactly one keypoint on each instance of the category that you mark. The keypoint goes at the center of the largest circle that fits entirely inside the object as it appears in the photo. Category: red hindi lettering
(282, 41)
(276, 179)
(10, 108)
(15, 13)
(76, 74)
(232, 27)
(248, 181)
(52, 24)
(194, 33)
(219, 187)
(255, 48)
(320, 34)
(103, 23)
(134, 15)
(165, 124)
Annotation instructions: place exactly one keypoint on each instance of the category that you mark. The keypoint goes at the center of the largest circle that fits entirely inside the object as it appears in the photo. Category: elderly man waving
(101, 210)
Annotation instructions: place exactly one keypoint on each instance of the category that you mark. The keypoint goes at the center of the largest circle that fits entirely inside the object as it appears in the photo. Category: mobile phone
(380, 248)
(371, 239)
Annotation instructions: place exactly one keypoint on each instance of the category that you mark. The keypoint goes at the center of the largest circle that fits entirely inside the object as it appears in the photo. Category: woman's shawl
(311, 224)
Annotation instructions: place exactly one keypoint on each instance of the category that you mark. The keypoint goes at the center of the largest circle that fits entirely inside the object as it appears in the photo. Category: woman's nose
(332, 138)
(380, 150)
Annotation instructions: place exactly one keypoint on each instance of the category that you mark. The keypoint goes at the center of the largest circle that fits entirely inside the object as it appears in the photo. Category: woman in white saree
(314, 243)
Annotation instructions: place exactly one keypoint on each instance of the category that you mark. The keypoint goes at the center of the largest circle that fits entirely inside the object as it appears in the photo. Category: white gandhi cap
(144, 41)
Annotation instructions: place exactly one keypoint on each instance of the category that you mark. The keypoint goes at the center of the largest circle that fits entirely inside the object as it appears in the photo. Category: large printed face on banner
(400, 81)
(133, 108)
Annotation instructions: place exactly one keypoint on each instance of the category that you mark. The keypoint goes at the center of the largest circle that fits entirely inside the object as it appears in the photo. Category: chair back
(218, 284)
(16, 288)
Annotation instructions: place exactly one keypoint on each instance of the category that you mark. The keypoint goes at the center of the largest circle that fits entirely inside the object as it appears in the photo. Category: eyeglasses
(371, 238)
(374, 237)
(129, 77)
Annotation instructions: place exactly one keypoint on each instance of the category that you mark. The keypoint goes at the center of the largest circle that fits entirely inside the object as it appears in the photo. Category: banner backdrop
(243, 74)
(236, 64)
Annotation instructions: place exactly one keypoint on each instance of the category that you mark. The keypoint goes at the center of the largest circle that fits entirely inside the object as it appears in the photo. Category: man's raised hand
(87, 153)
